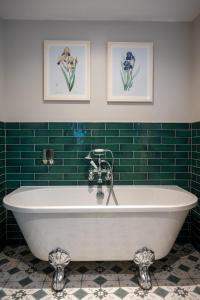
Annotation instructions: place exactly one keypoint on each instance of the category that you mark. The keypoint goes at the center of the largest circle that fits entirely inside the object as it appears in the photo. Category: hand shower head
(99, 151)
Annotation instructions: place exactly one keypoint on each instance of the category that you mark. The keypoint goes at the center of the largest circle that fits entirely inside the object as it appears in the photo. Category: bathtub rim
(101, 208)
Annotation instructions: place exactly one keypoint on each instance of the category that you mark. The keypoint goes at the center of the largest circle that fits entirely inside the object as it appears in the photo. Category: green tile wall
(195, 182)
(2, 186)
(145, 153)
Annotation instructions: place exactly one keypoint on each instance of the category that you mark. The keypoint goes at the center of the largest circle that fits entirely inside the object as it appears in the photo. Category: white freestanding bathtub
(73, 219)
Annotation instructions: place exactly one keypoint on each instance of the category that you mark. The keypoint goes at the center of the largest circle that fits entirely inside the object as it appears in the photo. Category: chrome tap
(100, 168)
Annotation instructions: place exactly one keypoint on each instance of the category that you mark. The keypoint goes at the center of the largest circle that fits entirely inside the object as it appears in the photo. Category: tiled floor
(22, 276)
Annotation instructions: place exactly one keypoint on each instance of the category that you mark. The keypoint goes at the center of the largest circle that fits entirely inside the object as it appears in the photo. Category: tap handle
(92, 163)
(108, 175)
(91, 175)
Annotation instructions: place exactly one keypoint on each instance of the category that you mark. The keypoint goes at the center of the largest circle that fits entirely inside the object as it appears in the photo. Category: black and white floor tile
(175, 277)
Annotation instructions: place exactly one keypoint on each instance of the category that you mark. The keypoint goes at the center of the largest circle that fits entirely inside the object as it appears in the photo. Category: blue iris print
(128, 71)
(127, 65)
(129, 56)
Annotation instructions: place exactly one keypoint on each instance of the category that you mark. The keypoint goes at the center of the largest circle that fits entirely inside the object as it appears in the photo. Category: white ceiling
(124, 10)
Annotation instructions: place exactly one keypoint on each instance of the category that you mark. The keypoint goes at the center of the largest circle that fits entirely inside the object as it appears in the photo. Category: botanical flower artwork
(66, 70)
(130, 72)
(67, 64)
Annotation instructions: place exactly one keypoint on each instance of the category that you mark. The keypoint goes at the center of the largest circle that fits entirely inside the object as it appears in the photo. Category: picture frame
(66, 70)
(130, 72)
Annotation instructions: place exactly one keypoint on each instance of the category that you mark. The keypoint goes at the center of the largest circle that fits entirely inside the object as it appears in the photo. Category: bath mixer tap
(99, 169)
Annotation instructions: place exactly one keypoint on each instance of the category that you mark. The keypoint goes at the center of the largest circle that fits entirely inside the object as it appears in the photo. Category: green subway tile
(91, 140)
(46, 146)
(12, 125)
(119, 140)
(183, 176)
(175, 141)
(13, 155)
(62, 183)
(101, 132)
(19, 162)
(147, 125)
(73, 140)
(34, 183)
(34, 169)
(133, 162)
(34, 125)
(91, 125)
(121, 154)
(133, 147)
(76, 148)
(18, 132)
(160, 176)
(161, 147)
(161, 162)
(183, 162)
(77, 132)
(13, 169)
(123, 169)
(134, 132)
(49, 177)
(174, 169)
(63, 169)
(75, 176)
(82, 169)
(19, 148)
(116, 125)
(133, 176)
(45, 132)
(162, 132)
(183, 147)
(183, 133)
(196, 140)
(14, 176)
(34, 140)
(30, 154)
(12, 140)
(175, 126)
(74, 162)
(144, 169)
(62, 125)
(197, 131)
(147, 140)
(175, 154)
(67, 154)
(196, 125)
(147, 154)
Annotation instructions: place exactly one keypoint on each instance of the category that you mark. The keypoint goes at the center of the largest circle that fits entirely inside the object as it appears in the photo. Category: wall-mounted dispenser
(48, 157)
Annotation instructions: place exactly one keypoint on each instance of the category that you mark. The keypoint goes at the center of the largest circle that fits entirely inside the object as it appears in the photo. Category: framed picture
(66, 70)
(130, 72)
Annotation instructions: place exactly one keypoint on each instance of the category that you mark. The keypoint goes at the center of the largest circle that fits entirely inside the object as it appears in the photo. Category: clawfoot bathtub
(73, 219)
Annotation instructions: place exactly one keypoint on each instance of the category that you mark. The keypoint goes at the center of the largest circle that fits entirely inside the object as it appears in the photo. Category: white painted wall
(24, 71)
(1, 73)
(196, 71)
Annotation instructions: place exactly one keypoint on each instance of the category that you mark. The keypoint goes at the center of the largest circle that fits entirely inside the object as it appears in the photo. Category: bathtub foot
(59, 259)
(144, 258)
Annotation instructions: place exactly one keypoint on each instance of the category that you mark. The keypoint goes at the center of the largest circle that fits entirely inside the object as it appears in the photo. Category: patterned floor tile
(111, 286)
(24, 277)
